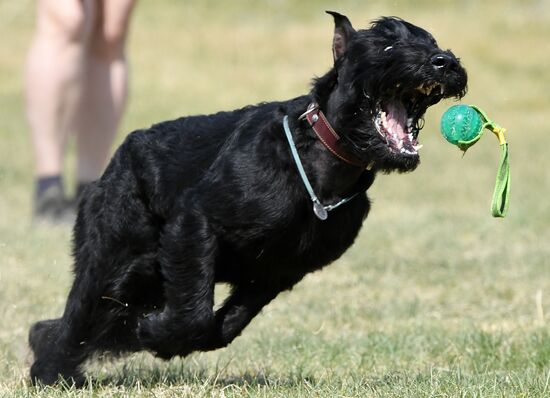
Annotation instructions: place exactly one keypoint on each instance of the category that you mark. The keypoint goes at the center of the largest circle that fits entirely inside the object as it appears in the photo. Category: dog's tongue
(396, 116)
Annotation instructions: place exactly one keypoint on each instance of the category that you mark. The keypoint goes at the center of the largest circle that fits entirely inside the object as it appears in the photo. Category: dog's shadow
(246, 380)
(181, 373)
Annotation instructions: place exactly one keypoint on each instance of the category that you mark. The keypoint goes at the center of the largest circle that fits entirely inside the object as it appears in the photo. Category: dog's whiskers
(115, 300)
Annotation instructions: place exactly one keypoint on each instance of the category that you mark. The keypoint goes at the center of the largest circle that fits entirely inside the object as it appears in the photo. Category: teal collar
(320, 210)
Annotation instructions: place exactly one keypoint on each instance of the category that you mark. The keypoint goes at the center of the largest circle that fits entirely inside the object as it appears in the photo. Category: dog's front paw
(168, 336)
(154, 336)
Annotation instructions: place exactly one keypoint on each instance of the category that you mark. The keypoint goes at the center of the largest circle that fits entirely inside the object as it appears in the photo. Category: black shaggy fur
(200, 200)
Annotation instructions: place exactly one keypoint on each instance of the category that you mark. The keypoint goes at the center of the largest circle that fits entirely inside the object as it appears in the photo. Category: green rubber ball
(460, 123)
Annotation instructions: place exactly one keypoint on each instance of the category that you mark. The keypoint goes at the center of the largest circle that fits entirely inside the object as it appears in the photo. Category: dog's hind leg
(98, 318)
(187, 257)
(61, 346)
(115, 278)
(48, 365)
(92, 321)
(58, 344)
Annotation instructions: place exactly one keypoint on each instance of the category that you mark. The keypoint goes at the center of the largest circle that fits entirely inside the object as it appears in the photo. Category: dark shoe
(52, 207)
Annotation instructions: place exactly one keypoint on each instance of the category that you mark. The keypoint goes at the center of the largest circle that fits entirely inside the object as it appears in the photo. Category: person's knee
(76, 28)
(110, 44)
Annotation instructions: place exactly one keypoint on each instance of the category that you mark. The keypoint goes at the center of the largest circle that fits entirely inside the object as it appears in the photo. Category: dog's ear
(343, 32)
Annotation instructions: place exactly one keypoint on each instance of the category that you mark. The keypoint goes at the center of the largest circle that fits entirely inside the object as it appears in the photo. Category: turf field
(435, 299)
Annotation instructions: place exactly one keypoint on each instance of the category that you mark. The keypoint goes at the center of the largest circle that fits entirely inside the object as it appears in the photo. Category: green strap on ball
(463, 126)
(501, 195)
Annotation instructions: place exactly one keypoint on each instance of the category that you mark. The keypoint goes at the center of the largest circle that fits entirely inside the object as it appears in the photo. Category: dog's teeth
(404, 150)
(417, 147)
(425, 88)
(378, 123)
(441, 89)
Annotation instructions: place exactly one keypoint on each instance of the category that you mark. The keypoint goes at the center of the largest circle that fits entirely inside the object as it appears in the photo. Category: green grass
(436, 298)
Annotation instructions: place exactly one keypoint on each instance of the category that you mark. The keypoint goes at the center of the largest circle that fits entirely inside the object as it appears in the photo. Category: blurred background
(433, 289)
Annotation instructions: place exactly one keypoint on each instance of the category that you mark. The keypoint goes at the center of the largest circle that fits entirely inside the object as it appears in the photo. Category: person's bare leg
(105, 89)
(54, 80)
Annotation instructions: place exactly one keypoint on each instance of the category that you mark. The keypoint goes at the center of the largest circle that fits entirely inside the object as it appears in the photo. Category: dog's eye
(388, 48)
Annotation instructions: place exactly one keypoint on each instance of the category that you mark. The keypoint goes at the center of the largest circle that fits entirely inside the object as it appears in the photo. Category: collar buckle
(310, 108)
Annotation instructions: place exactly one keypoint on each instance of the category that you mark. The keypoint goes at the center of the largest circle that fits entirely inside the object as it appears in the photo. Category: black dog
(199, 200)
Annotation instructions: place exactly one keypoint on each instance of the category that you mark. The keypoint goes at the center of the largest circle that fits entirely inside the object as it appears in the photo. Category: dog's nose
(444, 61)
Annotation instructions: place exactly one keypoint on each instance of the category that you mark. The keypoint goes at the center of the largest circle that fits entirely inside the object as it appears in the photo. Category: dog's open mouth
(399, 118)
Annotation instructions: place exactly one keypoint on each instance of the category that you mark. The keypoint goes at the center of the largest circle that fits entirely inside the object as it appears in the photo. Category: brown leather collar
(328, 136)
